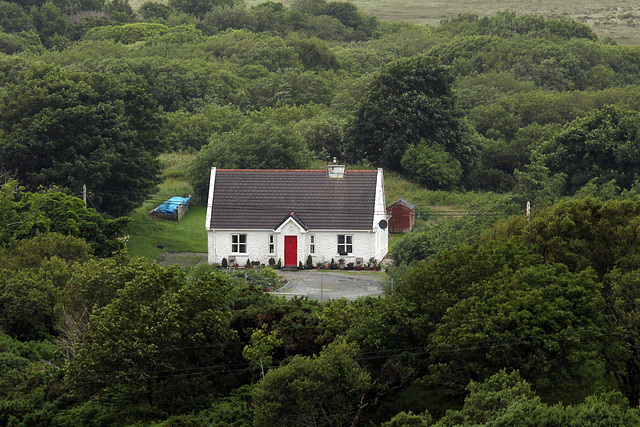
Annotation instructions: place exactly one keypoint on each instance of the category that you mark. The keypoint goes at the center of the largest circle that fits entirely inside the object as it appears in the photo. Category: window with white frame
(312, 244)
(272, 244)
(239, 243)
(345, 244)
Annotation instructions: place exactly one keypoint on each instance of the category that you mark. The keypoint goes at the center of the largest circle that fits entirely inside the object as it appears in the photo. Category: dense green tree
(507, 399)
(66, 128)
(177, 84)
(51, 25)
(31, 253)
(32, 273)
(551, 64)
(150, 10)
(313, 53)
(119, 10)
(404, 419)
(389, 334)
(536, 184)
(506, 24)
(327, 28)
(26, 41)
(236, 17)
(253, 145)
(24, 215)
(585, 233)
(285, 88)
(436, 285)
(410, 103)
(198, 7)
(415, 246)
(603, 146)
(327, 389)
(13, 18)
(324, 134)
(67, 6)
(161, 325)
(499, 160)
(349, 15)
(542, 320)
(311, 7)
(29, 381)
(26, 302)
(182, 130)
(510, 114)
(91, 285)
(258, 351)
(127, 33)
(489, 87)
(431, 166)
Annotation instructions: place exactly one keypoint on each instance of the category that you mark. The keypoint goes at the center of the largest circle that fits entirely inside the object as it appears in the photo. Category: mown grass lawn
(150, 237)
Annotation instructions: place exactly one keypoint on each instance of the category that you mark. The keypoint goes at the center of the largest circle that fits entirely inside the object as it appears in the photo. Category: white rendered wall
(326, 245)
(257, 246)
(381, 240)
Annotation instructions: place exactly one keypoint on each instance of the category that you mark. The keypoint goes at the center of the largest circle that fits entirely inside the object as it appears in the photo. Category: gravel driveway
(325, 285)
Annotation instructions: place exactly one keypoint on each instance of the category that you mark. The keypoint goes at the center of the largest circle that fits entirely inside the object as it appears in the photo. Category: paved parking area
(326, 285)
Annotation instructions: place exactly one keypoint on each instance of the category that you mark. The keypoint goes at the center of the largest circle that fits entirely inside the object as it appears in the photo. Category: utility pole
(528, 211)
(84, 194)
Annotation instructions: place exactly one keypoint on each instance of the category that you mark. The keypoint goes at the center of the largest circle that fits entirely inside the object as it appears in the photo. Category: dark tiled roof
(263, 199)
(404, 202)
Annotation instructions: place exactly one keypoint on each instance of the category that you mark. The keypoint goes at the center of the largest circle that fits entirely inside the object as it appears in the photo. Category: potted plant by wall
(255, 264)
(279, 264)
(350, 265)
(272, 262)
(224, 263)
(248, 264)
(319, 265)
(300, 266)
(309, 262)
(374, 264)
(341, 263)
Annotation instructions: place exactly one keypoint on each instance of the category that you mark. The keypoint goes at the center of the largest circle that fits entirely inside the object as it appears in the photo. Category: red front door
(291, 250)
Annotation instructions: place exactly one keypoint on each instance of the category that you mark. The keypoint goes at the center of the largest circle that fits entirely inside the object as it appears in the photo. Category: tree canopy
(409, 120)
(69, 129)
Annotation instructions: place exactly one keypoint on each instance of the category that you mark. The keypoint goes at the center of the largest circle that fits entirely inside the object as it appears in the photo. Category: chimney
(335, 170)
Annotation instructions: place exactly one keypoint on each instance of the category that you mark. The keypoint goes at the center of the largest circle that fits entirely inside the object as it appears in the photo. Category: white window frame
(272, 244)
(239, 243)
(312, 244)
(346, 245)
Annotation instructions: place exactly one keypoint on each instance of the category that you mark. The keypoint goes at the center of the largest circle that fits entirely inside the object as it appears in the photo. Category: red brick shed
(403, 216)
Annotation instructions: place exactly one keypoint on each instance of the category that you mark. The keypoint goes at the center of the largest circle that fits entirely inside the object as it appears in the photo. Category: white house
(291, 214)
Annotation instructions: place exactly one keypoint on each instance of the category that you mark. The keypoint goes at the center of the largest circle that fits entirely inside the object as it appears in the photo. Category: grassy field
(150, 237)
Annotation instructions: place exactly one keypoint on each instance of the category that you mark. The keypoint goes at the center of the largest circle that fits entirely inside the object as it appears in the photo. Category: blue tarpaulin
(171, 206)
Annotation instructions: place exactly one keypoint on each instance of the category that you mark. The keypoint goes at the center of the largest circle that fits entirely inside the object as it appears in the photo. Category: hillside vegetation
(618, 19)
(496, 317)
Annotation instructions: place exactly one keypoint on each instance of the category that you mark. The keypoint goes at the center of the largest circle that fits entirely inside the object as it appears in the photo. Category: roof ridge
(290, 170)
